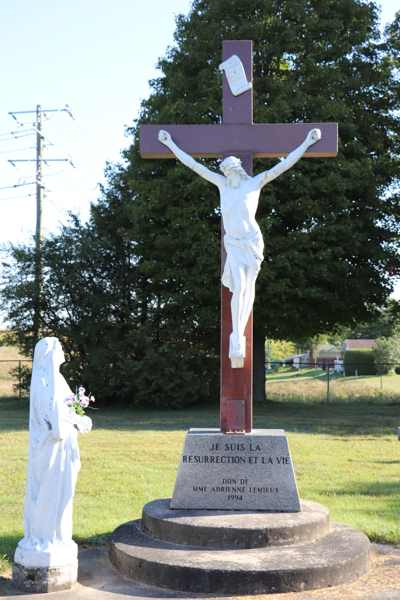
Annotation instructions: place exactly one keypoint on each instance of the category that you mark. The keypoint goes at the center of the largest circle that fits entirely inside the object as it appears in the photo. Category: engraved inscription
(222, 471)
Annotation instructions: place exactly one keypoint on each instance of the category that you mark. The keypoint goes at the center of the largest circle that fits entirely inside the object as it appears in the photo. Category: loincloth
(248, 253)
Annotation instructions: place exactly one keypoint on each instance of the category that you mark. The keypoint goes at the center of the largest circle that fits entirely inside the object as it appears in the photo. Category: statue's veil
(46, 366)
(46, 363)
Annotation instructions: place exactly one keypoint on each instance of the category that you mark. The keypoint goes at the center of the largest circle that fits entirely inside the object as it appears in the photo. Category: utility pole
(38, 299)
(37, 317)
(39, 185)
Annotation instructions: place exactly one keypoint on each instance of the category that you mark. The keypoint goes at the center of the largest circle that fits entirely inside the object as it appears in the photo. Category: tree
(279, 349)
(387, 353)
(95, 301)
(328, 225)
(385, 324)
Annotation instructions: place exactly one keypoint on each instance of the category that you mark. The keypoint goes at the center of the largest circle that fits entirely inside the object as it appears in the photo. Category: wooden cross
(239, 137)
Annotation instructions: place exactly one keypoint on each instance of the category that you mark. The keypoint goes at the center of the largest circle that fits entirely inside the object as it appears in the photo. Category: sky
(95, 56)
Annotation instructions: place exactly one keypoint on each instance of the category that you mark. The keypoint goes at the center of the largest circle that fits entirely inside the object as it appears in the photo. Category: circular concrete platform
(340, 555)
(234, 529)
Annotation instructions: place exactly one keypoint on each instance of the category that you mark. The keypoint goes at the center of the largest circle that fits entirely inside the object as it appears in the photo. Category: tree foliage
(134, 296)
(384, 325)
(279, 349)
(95, 301)
(387, 353)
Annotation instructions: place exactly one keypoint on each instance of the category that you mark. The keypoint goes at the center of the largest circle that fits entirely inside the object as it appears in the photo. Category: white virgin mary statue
(53, 464)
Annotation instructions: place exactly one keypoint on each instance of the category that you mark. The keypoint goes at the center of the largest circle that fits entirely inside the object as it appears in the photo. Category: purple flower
(81, 391)
(70, 399)
(84, 402)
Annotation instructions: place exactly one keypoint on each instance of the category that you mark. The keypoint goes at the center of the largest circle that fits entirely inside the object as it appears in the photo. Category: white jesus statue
(243, 240)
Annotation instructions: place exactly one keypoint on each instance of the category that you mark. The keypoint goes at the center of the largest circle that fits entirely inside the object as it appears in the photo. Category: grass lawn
(346, 456)
(312, 384)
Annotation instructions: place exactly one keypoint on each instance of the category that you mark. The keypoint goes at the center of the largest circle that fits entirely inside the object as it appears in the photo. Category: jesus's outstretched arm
(165, 138)
(313, 136)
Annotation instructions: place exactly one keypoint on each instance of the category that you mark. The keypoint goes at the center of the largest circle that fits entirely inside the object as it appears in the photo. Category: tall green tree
(328, 224)
(384, 325)
(387, 353)
(118, 342)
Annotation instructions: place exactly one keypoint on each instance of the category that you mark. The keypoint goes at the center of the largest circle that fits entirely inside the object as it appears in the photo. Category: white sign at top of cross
(235, 75)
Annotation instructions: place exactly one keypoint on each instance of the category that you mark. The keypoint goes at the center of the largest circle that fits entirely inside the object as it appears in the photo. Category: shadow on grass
(8, 545)
(294, 375)
(366, 419)
(388, 490)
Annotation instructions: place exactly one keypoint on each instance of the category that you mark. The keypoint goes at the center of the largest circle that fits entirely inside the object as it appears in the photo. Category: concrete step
(234, 528)
(341, 556)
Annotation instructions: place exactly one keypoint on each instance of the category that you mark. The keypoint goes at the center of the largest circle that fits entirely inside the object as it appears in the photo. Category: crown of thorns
(230, 162)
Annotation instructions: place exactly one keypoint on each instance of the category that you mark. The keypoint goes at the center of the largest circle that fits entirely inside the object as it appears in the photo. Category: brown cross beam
(237, 136)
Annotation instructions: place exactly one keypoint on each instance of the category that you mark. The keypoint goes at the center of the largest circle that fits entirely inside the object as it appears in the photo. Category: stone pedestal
(41, 572)
(236, 525)
(238, 552)
(227, 471)
(45, 579)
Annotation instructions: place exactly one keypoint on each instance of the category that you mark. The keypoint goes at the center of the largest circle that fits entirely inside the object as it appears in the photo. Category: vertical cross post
(236, 391)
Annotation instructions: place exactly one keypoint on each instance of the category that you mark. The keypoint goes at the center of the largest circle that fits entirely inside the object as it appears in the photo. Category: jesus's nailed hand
(313, 136)
(164, 137)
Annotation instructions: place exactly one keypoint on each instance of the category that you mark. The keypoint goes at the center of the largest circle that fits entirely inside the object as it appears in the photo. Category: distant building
(357, 345)
(297, 360)
(327, 354)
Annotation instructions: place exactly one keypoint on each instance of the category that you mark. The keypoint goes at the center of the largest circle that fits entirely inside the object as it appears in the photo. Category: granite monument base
(252, 471)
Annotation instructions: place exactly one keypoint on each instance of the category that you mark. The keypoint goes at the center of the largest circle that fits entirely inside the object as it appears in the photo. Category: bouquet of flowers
(79, 401)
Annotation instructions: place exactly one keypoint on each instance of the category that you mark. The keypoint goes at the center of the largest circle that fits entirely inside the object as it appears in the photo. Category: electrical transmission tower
(38, 300)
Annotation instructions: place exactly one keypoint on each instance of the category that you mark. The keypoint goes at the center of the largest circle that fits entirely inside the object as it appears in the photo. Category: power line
(63, 107)
(81, 130)
(70, 187)
(54, 173)
(9, 133)
(18, 150)
(37, 128)
(16, 197)
(8, 187)
(23, 176)
(64, 214)
(83, 177)
(18, 137)
(74, 151)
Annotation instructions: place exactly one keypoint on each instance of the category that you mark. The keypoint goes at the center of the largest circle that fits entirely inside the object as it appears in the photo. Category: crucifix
(236, 142)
